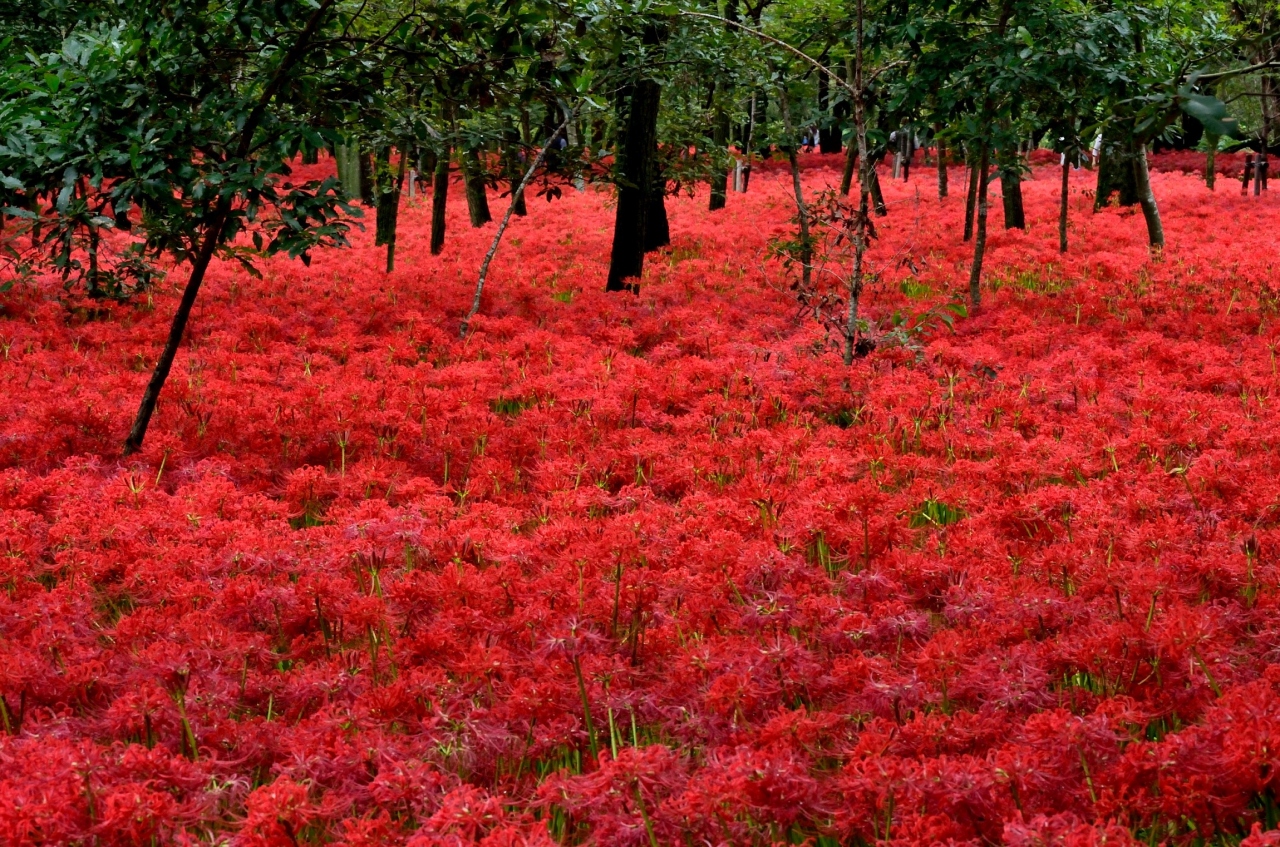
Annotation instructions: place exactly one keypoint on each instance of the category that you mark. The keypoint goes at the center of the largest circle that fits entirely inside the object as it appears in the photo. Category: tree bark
(151, 395)
(1147, 197)
(657, 229)
(1015, 216)
(970, 201)
(1116, 174)
(1063, 204)
(720, 176)
(477, 196)
(942, 172)
(439, 201)
(636, 168)
(802, 211)
(388, 215)
(980, 239)
(877, 196)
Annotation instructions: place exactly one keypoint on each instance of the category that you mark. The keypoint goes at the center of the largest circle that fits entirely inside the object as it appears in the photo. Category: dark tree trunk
(980, 241)
(877, 196)
(477, 197)
(1115, 170)
(636, 167)
(1147, 197)
(850, 165)
(942, 172)
(1062, 205)
(367, 193)
(439, 201)
(151, 396)
(1015, 216)
(720, 176)
(389, 207)
(657, 230)
(970, 202)
(829, 131)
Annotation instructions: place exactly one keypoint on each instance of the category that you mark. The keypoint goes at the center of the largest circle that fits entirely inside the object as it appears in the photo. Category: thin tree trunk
(802, 211)
(1211, 163)
(866, 170)
(850, 166)
(439, 201)
(971, 201)
(657, 228)
(389, 212)
(506, 218)
(151, 395)
(980, 240)
(1147, 197)
(1063, 205)
(942, 172)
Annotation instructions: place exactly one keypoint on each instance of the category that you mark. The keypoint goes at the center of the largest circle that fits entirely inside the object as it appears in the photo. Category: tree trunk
(1063, 205)
(854, 73)
(980, 240)
(367, 192)
(389, 209)
(347, 158)
(1211, 163)
(636, 169)
(657, 229)
(877, 196)
(720, 175)
(511, 165)
(942, 172)
(829, 130)
(802, 211)
(1011, 197)
(970, 201)
(439, 201)
(850, 165)
(151, 395)
(1147, 197)
(477, 196)
(1115, 170)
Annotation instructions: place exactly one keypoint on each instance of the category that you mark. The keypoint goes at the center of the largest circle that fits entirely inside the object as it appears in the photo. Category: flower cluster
(656, 569)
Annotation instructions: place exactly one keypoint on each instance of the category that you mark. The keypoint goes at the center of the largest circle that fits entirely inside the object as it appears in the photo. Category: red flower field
(657, 570)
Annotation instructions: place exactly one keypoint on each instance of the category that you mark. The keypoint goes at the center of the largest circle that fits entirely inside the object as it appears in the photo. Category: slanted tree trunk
(1147, 197)
(477, 196)
(850, 166)
(636, 170)
(877, 196)
(980, 238)
(439, 201)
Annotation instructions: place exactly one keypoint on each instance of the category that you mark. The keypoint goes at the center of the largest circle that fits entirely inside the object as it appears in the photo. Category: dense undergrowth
(656, 570)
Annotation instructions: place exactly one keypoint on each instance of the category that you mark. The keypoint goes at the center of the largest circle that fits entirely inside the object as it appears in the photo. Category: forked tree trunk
(439, 201)
(636, 168)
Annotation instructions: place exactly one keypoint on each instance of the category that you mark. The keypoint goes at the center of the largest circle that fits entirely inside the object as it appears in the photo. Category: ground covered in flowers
(656, 570)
